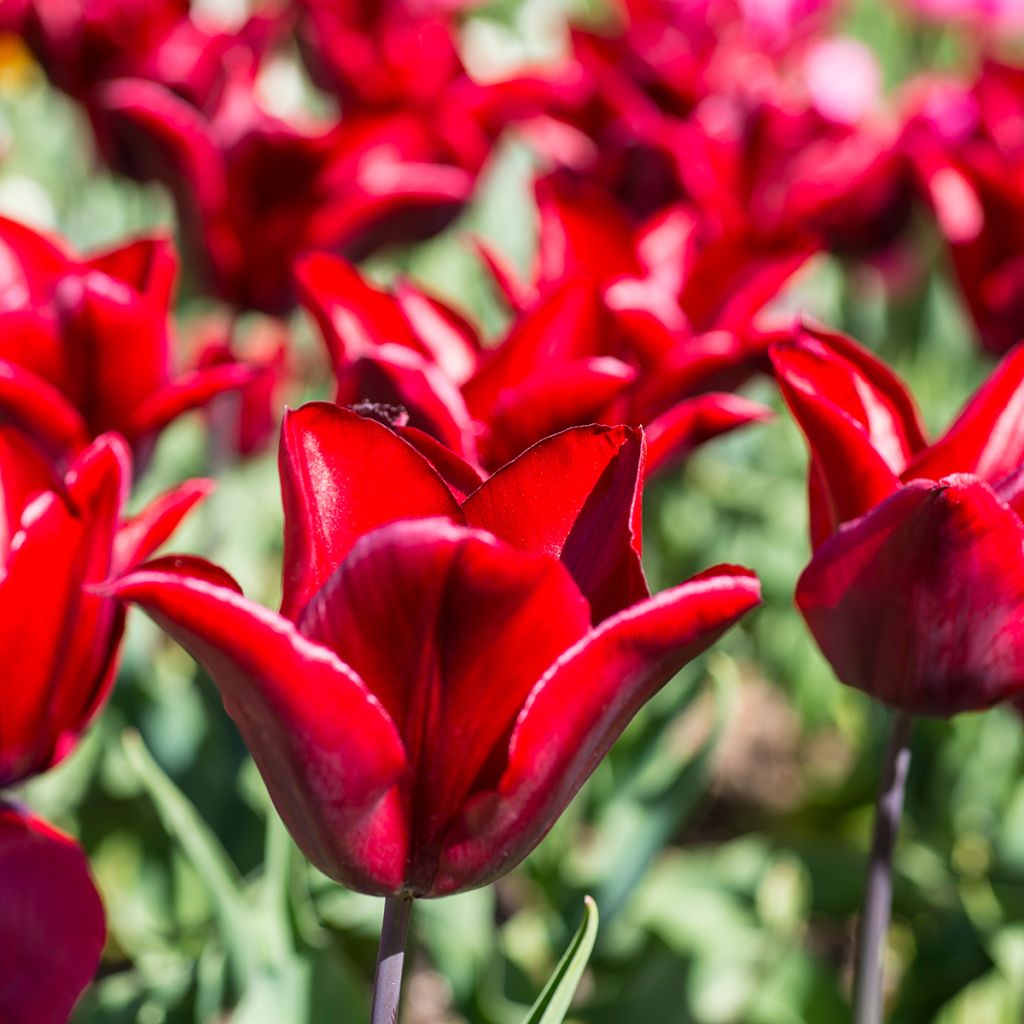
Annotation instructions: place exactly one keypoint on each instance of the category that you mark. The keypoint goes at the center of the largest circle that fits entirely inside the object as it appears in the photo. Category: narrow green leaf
(553, 1003)
(204, 851)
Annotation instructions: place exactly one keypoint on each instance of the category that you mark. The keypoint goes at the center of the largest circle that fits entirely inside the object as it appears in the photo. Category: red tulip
(572, 358)
(85, 346)
(443, 675)
(915, 592)
(254, 191)
(59, 643)
(52, 929)
(59, 639)
(970, 158)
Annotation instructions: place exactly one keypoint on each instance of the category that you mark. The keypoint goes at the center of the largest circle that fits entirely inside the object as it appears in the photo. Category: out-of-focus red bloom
(443, 675)
(59, 643)
(247, 419)
(915, 592)
(59, 639)
(52, 929)
(570, 359)
(990, 17)
(81, 44)
(254, 191)
(968, 146)
(85, 345)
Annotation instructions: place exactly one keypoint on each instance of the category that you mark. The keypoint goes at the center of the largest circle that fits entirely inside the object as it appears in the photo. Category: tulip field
(511, 511)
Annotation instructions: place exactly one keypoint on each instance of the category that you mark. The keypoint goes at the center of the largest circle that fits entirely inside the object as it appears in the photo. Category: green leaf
(553, 1003)
(204, 850)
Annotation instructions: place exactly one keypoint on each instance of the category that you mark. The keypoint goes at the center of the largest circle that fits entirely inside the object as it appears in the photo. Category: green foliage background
(723, 839)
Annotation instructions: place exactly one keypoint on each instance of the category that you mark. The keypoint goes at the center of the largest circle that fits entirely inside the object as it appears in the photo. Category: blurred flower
(52, 929)
(254, 191)
(915, 592)
(59, 644)
(247, 419)
(85, 346)
(573, 357)
(988, 15)
(968, 147)
(59, 639)
(443, 675)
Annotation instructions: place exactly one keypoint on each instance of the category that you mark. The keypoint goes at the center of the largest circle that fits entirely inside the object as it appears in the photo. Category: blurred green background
(724, 839)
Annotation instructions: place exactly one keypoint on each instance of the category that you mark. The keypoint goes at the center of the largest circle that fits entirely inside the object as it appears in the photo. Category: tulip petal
(353, 316)
(854, 475)
(58, 642)
(394, 375)
(552, 399)
(186, 393)
(41, 410)
(148, 265)
(52, 930)
(676, 433)
(342, 476)
(576, 496)
(141, 535)
(462, 477)
(327, 750)
(450, 629)
(987, 439)
(564, 326)
(578, 710)
(447, 336)
(919, 603)
(846, 374)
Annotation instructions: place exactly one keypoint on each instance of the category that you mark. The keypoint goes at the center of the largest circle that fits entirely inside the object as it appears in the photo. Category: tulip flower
(254, 191)
(85, 345)
(414, 624)
(443, 674)
(577, 355)
(969, 159)
(891, 514)
(915, 591)
(59, 643)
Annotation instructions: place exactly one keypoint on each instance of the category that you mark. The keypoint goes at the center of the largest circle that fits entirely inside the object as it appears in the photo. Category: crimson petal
(327, 750)
(52, 930)
(450, 629)
(987, 438)
(578, 710)
(576, 496)
(342, 476)
(953, 640)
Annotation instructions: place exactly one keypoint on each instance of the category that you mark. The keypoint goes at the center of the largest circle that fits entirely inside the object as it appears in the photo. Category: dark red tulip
(580, 354)
(52, 929)
(443, 676)
(254, 191)
(85, 343)
(915, 592)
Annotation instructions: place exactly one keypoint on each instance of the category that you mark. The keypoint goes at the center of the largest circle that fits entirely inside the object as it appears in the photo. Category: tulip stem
(877, 909)
(387, 983)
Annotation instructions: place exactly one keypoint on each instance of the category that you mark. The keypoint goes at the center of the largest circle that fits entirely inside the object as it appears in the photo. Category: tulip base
(387, 982)
(877, 908)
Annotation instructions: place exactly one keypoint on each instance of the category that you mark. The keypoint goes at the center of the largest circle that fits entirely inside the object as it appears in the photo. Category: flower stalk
(877, 908)
(387, 982)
